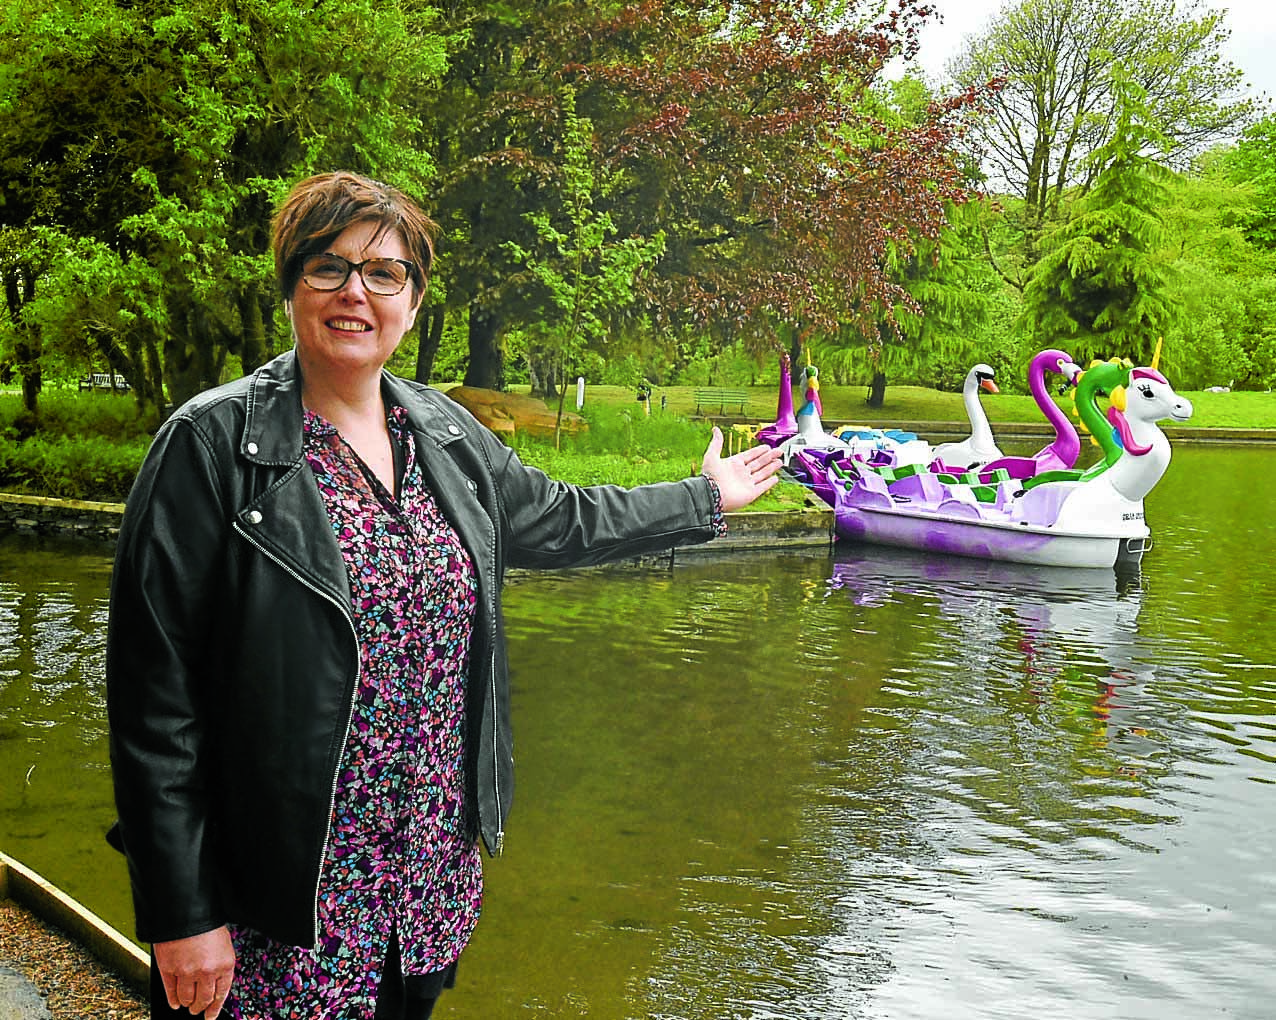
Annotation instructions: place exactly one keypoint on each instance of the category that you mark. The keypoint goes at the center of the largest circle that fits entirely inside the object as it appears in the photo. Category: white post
(580, 392)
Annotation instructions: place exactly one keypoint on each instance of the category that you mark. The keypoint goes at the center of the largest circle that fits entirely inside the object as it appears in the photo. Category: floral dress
(398, 860)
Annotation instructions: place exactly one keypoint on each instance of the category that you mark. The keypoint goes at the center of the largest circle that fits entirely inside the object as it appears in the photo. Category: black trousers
(413, 997)
(399, 998)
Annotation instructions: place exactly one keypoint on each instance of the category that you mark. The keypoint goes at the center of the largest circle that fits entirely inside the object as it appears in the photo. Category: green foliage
(1226, 283)
(731, 366)
(90, 468)
(1061, 64)
(943, 329)
(70, 413)
(1253, 163)
(81, 446)
(144, 145)
(581, 265)
(1103, 284)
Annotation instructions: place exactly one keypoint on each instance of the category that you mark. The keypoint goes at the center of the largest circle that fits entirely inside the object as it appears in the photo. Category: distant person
(307, 682)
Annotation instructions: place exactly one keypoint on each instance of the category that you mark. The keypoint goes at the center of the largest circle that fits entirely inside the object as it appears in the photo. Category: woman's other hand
(741, 478)
(197, 971)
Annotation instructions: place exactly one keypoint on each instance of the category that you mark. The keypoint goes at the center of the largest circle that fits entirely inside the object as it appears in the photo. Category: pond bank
(58, 960)
(100, 522)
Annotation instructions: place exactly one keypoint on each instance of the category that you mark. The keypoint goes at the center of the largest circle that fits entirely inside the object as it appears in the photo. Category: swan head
(981, 376)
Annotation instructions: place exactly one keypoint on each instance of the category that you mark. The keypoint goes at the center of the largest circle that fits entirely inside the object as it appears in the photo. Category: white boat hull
(1006, 542)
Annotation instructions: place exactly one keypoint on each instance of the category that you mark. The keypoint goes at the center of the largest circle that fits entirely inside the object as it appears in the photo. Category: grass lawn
(845, 404)
(842, 404)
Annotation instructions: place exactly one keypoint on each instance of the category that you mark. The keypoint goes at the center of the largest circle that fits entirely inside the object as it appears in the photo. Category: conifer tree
(1101, 288)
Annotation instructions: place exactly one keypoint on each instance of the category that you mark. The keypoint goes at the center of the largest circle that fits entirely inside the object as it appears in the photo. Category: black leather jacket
(232, 656)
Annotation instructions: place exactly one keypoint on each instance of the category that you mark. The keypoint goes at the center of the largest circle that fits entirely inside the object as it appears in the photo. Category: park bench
(104, 381)
(721, 398)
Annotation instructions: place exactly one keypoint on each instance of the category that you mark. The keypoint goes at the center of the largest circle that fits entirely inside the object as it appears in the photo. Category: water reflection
(873, 785)
(55, 792)
(1048, 632)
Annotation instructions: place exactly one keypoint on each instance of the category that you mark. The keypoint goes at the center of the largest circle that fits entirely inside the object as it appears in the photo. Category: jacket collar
(272, 426)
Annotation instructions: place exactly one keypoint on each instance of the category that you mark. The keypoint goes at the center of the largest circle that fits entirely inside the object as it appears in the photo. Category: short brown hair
(320, 208)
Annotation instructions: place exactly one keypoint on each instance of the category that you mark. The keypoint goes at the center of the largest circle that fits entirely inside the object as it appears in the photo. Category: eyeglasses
(380, 276)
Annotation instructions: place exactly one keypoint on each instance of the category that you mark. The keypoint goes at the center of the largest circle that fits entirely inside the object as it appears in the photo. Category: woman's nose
(354, 287)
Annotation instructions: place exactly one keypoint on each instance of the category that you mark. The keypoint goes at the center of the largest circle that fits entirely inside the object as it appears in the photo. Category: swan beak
(989, 385)
(1117, 398)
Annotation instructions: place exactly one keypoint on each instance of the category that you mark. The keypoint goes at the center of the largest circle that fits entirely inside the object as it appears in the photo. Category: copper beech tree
(742, 132)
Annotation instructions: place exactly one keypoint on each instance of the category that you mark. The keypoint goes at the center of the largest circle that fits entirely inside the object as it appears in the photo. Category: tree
(165, 131)
(589, 270)
(1104, 285)
(1058, 107)
(943, 279)
(1253, 164)
(738, 130)
(1226, 278)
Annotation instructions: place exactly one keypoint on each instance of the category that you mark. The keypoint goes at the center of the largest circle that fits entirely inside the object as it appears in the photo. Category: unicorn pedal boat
(1074, 518)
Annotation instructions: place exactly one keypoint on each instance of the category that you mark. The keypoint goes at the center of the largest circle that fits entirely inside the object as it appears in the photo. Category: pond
(860, 783)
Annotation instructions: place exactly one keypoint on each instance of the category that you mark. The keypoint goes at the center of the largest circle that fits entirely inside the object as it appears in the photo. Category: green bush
(80, 467)
(110, 415)
(629, 431)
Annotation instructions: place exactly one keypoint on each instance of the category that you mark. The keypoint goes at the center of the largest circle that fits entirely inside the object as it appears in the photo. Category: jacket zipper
(499, 848)
(496, 763)
(358, 673)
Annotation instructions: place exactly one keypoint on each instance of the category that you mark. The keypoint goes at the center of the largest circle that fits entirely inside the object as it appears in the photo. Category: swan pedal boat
(1038, 511)
(1063, 523)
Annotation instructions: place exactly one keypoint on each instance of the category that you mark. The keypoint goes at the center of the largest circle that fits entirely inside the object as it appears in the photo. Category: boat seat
(960, 508)
(869, 490)
(920, 487)
(1061, 475)
(1015, 467)
(1040, 505)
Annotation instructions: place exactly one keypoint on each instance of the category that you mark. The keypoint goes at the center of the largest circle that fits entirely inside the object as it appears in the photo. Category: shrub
(73, 414)
(81, 467)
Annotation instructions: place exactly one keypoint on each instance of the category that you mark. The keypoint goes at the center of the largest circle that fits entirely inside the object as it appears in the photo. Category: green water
(866, 784)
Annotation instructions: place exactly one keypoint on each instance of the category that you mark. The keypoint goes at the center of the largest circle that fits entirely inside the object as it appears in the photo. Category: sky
(1252, 46)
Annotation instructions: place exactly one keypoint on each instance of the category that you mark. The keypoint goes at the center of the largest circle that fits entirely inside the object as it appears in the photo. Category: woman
(306, 668)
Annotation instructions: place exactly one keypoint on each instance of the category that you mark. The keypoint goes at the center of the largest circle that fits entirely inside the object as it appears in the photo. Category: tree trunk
(19, 288)
(192, 363)
(487, 361)
(877, 390)
(543, 372)
(26, 352)
(252, 323)
(428, 344)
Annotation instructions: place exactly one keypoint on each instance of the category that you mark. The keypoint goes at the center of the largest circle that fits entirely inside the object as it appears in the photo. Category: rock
(507, 413)
(18, 998)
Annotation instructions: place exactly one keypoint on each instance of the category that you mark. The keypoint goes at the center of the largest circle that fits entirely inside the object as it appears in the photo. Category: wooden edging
(49, 903)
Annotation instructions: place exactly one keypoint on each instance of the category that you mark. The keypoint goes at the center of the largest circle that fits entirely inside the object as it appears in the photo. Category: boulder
(507, 413)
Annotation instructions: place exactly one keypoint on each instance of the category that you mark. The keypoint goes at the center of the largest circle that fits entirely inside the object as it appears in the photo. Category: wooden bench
(722, 398)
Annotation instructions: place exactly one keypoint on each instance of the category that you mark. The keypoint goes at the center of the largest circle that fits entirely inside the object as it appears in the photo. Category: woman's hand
(743, 477)
(197, 971)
